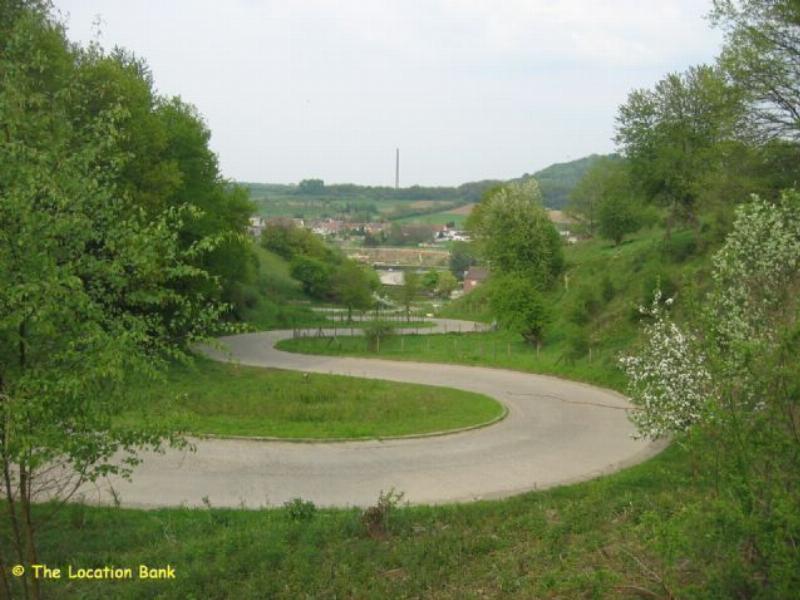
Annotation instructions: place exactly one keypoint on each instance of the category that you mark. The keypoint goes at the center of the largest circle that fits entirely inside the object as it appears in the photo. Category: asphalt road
(556, 432)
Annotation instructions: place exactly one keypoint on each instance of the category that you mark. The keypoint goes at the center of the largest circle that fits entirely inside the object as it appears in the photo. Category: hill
(429, 204)
(558, 180)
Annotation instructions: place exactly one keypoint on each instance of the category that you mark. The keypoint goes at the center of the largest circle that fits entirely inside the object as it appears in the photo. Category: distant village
(393, 248)
(415, 233)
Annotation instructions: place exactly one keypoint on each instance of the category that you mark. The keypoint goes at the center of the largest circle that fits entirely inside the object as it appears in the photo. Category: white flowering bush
(668, 378)
(678, 378)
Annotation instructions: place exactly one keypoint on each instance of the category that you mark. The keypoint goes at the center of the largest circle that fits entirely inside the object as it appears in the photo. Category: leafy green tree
(313, 274)
(430, 280)
(600, 179)
(520, 307)
(91, 298)
(285, 239)
(672, 135)
(170, 164)
(462, 257)
(311, 186)
(762, 54)
(446, 284)
(617, 216)
(354, 286)
(408, 291)
(514, 234)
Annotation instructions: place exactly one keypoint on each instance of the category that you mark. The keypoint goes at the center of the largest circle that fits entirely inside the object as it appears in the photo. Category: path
(556, 432)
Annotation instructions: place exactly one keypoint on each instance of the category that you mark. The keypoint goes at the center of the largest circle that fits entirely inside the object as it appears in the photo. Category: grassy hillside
(406, 204)
(276, 300)
(557, 180)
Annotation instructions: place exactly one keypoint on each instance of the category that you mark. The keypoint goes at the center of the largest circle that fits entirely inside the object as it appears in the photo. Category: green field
(225, 399)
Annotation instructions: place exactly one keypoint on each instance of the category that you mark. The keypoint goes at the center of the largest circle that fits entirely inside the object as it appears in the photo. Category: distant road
(556, 432)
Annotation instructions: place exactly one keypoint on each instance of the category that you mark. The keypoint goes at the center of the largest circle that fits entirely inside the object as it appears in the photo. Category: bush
(298, 509)
(376, 518)
(376, 332)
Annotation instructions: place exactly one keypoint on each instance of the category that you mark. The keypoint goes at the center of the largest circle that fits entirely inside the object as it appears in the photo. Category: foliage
(313, 274)
(617, 216)
(520, 307)
(376, 518)
(446, 284)
(287, 240)
(462, 257)
(599, 180)
(558, 180)
(736, 381)
(429, 280)
(514, 234)
(298, 509)
(311, 186)
(354, 286)
(407, 292)
(96, 288)
(762, 46)
(672, 135)
(376, 332)
(669, 379)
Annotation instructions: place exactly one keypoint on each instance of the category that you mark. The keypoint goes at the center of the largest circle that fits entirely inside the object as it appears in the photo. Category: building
(474, 277)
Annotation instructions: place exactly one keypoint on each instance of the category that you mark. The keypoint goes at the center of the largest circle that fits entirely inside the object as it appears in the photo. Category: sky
(467, 89)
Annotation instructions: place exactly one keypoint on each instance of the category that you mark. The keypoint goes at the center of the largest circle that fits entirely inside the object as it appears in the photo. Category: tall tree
(408, 291)
(354, 285)
(671, 135)
(514, 234)
(89, 296)
(762, 54)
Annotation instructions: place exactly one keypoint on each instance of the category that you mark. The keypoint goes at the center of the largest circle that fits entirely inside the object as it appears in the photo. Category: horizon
(468, 91)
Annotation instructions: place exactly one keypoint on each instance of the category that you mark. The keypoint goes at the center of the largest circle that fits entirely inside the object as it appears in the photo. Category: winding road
(555, 432)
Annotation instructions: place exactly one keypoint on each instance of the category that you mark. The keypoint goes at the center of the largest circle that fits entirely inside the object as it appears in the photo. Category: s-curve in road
(556, 432)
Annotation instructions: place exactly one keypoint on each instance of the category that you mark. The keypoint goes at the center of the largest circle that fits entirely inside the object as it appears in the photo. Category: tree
(446, 284)
(671, 135)
(462, 257)
(311, 186)
(617, 216)
(430, 280)
(313, 274)
(599, 179)
(354, 285)
(514, 234)
(519, 306)
(725, 385)
(90, 301)
(762, 54)
(408, 291)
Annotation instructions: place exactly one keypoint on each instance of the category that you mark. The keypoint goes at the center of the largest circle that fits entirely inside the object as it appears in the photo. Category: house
(474, 277)
(256, 225)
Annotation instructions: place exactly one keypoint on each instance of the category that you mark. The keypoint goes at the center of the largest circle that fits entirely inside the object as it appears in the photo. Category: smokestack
(397, 169)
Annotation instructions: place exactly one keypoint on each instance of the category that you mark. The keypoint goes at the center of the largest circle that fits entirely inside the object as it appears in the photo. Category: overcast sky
(467, 89)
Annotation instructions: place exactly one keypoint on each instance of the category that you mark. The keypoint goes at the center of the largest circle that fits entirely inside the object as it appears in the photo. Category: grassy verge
(223, 399)
(600, 539)
(492, 349)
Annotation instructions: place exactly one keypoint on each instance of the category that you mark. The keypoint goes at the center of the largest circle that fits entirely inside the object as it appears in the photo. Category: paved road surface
(556, 432)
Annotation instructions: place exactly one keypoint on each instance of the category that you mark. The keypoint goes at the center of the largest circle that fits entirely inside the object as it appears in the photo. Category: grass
(225, 399)
(600, 539)
(493, 349)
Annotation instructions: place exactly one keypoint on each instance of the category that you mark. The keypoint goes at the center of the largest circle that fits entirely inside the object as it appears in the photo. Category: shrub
(298, 509)
(376, 518)
(376, 332)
